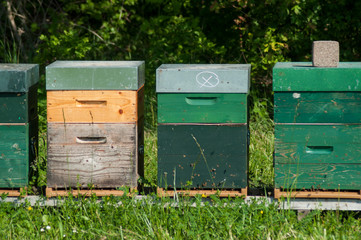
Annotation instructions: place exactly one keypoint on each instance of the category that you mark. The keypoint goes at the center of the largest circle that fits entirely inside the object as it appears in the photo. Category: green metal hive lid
(95, 75)
(203, 78)
(302, 76)
(18, 77)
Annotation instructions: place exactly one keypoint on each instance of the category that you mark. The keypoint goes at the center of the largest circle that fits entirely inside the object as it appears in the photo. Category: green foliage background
(184, 31)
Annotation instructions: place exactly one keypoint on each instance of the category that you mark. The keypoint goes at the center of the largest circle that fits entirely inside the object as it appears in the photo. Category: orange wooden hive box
(95, 124)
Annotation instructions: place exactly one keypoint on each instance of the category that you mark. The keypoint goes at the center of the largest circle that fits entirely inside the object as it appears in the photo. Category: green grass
(261, 149)
(127, 218)
(150, 157)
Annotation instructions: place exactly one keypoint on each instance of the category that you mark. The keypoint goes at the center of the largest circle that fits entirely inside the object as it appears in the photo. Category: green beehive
(18, 122)
(202, 126)
(317, 114)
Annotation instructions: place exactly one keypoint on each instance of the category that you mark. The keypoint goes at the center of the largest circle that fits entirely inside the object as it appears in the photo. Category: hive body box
(202, 126)
(18, 123)
(95, 123)
(317, 114)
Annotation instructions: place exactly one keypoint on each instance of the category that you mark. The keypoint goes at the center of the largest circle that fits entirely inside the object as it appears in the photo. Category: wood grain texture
(302, 76)
(161, 192)
(202, 108)
(140, 145)
(18, 77)
(318, 144)
(14, 173)
(109, 164)
(20, 107)
(202, 156)
(203, 78)
(317, 107)
(278, 194)
(14, 192)
(95, 75)
(51, 192)
(18, 146)
(92, 106)
(318, 176)
(140, 103)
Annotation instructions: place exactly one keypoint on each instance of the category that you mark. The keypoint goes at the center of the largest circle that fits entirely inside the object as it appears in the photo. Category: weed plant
(261, 146)
(150, 157)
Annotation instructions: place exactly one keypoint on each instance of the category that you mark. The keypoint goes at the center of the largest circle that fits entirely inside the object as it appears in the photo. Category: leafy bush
(190, 31)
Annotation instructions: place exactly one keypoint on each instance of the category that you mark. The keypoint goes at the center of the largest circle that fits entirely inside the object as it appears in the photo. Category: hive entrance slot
(91, 140)
(90, 103)
(201, 100)
(319, 149)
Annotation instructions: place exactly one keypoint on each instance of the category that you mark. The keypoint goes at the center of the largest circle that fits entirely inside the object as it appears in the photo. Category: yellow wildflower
(30, 208)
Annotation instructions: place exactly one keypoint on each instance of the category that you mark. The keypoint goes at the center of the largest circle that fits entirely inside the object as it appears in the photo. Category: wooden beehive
(317, 114)
(95, 123)
(202, 126)
(18, 123)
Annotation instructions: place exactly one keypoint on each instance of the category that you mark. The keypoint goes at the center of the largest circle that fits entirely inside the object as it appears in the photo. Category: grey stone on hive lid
(203, 78)
(325, 54)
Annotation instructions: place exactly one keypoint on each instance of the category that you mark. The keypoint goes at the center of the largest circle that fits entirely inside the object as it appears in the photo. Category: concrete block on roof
(325, 53)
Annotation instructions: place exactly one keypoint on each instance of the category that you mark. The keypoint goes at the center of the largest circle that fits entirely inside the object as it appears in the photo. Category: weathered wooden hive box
(317, 114)
(202, 126)
(18, 123)
(95, 123)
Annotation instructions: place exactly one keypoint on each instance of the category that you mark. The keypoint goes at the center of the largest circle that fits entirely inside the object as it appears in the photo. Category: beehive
(317, 114)
(202, 126)
(18, 123)
(95, 123)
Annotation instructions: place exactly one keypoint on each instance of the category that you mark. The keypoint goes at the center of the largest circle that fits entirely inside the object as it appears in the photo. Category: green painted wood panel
(18, 77)
(95, 75)
(301, 76)
(332, 144)
(19, 107)
(202, 156)
(14, 173)
(203, 78)
(317, 107)
(318, 176)
(202, 108)
(18, 146)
